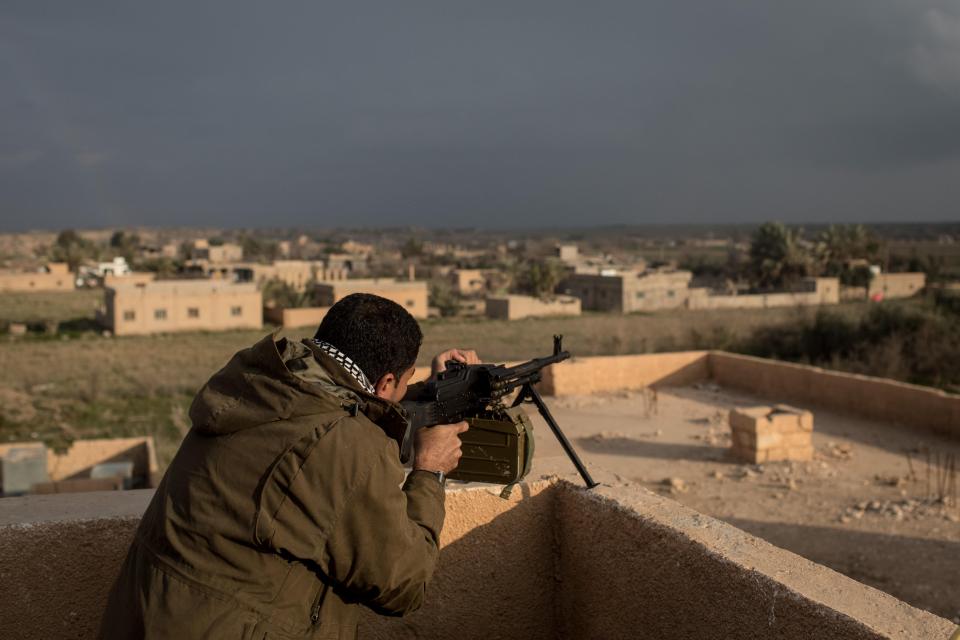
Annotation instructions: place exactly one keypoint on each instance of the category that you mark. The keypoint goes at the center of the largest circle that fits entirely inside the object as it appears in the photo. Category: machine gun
(499, 445)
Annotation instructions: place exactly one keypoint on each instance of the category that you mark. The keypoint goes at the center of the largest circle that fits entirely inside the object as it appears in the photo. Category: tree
(262, 250)
(841, 247)
(124, 244)
(777, 257)
(73, 249)
(282, 294)
(538, 277)
(443, 298)
(411, 248)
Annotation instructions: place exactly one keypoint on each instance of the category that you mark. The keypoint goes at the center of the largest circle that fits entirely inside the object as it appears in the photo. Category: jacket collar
(387, 415)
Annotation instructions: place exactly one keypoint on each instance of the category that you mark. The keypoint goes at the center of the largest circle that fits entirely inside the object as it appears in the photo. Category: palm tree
(778, 257)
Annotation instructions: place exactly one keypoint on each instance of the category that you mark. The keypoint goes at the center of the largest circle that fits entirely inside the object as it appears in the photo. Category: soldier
(283, 511)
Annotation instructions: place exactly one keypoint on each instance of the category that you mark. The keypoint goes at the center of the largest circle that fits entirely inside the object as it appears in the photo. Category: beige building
(296, 273)
(54, 276)
(203, 250)
(896, 285)
(627, 292)
(294, 317)
(181, 305)
(657, 290)
(412, 295)
(468, 282)
(514, 307)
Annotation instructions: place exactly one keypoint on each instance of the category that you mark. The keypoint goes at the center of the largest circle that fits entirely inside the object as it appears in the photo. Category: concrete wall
(82, 455)
(181, 305)
(638, 565)
(514, 307)
(553, 561)
(875, 398)
(295, 317)
(581, 376)
(55, 277)
(896, 285)
(412, 295)
(818, 291)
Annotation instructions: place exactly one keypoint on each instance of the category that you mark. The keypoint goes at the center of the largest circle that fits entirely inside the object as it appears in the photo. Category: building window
(129, 316)
(671, 293)
(193, 312)
(159, 314)
(236, 311)
(411, 303)
(641, 295)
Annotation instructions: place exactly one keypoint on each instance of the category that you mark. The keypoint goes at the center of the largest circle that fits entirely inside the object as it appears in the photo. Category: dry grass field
(56, 306)
(61, 388)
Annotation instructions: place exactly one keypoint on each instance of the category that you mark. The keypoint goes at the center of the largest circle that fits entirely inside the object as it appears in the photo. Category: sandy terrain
(855, 508)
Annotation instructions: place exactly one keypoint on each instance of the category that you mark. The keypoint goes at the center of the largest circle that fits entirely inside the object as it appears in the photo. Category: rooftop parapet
(553, 561)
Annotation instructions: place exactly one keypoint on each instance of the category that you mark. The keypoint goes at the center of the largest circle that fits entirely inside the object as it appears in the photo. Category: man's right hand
(438, 448)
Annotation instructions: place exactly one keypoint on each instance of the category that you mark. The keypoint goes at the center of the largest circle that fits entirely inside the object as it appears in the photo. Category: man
(283, 512)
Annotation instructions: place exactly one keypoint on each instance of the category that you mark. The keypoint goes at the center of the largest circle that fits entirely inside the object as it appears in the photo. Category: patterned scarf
(347, 363)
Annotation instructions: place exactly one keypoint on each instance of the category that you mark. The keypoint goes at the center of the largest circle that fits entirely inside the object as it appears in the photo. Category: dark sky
(489, 113)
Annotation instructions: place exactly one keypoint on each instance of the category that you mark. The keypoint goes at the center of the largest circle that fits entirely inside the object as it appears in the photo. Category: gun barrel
(534, 365)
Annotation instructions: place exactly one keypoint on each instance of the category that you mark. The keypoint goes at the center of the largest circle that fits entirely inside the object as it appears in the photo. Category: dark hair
(378, 334)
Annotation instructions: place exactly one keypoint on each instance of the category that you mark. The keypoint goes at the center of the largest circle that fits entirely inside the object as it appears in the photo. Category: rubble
(908, 508)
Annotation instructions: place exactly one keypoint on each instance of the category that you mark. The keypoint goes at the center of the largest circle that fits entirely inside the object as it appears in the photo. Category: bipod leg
(529, 392)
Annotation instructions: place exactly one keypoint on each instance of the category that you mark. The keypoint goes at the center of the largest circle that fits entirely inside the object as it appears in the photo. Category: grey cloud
(499, 113)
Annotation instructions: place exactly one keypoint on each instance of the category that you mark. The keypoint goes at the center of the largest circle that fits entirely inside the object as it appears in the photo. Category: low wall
(880, 399)
(612, 373)
(294, 317)
(82, 455)
(756, 301)
(552, 561)
(875, 398)
(635, 564)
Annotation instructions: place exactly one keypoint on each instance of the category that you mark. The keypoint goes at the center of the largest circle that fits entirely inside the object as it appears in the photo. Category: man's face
(390, 388)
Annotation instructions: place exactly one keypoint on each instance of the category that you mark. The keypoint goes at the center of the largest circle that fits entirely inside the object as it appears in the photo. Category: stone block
(800, 453)
(764, 434)
(23, 467)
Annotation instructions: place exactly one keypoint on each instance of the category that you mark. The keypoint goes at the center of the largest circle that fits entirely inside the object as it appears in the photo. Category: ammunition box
(498, 448)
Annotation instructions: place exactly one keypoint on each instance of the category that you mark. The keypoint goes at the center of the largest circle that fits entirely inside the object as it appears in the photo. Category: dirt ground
(856, 508)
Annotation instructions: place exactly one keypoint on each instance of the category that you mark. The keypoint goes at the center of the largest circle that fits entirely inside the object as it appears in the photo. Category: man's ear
(385, 386)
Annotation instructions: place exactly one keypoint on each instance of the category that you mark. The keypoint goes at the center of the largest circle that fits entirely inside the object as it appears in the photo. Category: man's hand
(466, 356)
(438, 448)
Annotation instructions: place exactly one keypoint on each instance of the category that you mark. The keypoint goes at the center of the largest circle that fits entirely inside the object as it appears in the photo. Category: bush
(909, 342)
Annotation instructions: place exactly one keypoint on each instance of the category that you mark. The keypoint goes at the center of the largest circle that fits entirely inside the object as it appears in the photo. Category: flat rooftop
(810, 508)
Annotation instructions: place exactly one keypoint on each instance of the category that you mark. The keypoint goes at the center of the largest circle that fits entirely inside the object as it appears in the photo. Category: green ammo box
(498, 448)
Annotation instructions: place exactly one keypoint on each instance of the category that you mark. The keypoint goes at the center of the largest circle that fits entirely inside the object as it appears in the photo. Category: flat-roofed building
(626, 292)
(468, 282)
(217, 253)
(181, 305)
(515, 307)
(410, 294)
(54, 276)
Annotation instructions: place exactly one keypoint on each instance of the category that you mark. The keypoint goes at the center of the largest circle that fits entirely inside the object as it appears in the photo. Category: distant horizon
(947, 225)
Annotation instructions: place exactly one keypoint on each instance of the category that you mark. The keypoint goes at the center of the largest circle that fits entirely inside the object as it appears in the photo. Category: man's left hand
(466, 356)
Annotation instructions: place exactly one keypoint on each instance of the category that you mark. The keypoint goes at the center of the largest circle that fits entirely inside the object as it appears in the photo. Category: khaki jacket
(282, 512)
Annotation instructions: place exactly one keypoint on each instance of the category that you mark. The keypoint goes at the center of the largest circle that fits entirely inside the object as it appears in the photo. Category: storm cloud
(478, 114)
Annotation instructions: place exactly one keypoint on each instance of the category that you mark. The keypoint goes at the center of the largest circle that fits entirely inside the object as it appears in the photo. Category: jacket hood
(282, 379)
